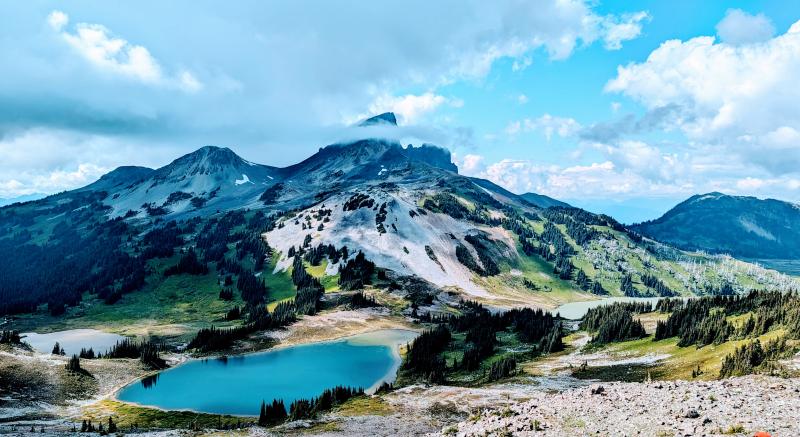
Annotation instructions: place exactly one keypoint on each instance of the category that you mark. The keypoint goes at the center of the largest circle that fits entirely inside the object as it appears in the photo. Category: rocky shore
(737, 406)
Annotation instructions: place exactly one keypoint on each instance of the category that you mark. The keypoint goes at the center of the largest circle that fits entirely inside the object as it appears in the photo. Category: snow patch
(756, 229)
(243, 180)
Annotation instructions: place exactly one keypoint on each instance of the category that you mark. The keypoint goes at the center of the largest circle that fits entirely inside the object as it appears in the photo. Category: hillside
(542, 201)
(745, 227)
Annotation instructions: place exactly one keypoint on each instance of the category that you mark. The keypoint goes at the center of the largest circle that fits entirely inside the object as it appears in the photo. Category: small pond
(72, 341)
(238, 384)
(576, 310)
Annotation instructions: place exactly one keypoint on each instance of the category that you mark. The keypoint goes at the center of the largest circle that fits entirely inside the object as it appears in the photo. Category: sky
(619, 107)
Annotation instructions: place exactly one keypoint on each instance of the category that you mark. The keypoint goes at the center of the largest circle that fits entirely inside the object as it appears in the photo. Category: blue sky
(619, 107)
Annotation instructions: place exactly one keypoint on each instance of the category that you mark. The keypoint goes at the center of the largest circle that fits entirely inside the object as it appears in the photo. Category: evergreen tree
(74, 364)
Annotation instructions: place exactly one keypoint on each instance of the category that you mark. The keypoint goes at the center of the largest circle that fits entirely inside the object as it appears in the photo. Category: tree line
(615, 322)
(274, 413)
(424, 358)
(703, 320)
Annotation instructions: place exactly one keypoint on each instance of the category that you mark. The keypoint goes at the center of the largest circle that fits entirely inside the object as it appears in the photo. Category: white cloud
(57, 20)
(470, 163)
(522, 99)
(547, 124)
(616, 30)
(48, 161)
(550, 125)
(188, 82)
(739, 27)
(409, 108)
(97, 45)
(647, 161)
(744, 96)
(54, 181)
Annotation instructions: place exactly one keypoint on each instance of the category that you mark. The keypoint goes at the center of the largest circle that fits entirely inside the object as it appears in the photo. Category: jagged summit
(432, 155)
(387, 118)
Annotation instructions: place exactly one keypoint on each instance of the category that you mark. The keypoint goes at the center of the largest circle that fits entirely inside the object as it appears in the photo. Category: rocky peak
(433, 155)
(387, 118)
(205, 160)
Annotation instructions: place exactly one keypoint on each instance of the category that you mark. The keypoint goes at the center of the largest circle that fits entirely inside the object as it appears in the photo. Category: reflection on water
(576, 310)
(72, 340)
(150, 381)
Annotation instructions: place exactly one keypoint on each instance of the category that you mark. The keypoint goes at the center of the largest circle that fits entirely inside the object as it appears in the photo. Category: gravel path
(738, 406)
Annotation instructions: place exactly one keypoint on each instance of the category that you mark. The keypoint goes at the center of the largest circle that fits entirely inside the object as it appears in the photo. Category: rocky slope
(739, 406)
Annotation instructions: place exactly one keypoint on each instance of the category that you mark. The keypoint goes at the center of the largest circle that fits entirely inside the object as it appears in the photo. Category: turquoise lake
(237, 385)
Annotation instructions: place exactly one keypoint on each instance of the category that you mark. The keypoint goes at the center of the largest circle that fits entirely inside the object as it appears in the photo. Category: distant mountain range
(23, 198)
(745, 227)
(407, 209)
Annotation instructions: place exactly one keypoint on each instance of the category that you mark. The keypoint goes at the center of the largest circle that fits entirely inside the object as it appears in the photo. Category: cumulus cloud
(739, 95)
(108, 53)
(47, 161)
(594, 179)
(57, 20)
(56, 180)
(470, 163)
(739, 27)
(409, 107)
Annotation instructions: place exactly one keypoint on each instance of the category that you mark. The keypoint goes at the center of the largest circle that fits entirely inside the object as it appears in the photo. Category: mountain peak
(387, 118)
(210, 156)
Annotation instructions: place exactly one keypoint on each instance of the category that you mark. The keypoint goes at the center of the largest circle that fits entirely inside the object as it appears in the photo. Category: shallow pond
(576, 310)
(72, 340)
(237, 385)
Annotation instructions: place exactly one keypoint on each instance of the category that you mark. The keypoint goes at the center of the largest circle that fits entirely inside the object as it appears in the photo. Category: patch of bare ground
(330, 325)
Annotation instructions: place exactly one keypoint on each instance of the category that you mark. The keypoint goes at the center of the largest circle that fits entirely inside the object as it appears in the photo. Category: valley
(213, 261)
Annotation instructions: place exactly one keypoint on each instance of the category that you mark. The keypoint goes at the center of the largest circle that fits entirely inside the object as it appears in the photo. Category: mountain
(741, 226)
(211, 177)
(543, 201)
(406, 209)
(387, 118)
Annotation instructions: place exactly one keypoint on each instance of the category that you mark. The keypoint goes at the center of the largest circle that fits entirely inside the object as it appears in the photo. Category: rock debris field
(738, 406)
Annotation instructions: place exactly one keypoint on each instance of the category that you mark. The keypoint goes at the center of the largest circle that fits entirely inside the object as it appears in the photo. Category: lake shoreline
(391, 339)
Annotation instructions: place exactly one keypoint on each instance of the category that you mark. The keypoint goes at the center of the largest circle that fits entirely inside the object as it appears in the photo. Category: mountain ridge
(406, 209)
(743, 226)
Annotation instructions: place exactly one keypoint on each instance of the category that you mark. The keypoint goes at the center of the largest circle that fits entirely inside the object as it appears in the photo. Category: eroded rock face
(739, 406)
